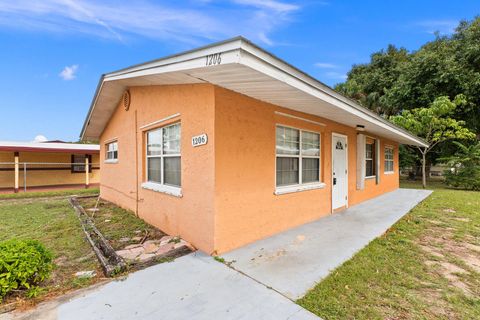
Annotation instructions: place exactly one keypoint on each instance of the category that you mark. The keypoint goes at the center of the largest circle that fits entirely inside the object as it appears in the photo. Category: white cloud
(270, 4)
(264, 38)
(334, 72)
(40, 138)
(325, 65)
(442, 26)
(69, 72)
(206, 20)
(336, 75)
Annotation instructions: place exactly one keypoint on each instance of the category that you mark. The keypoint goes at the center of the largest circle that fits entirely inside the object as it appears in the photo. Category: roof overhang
(247, 69)
(49, 147)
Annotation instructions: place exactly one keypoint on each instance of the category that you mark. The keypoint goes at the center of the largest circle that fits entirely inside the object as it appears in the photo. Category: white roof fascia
(50, 145)
(253, 57)
(242, 51)
(190, 60)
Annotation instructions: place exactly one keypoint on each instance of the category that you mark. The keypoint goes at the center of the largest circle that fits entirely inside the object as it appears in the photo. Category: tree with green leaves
(396, 79)
(435, 125)
(368, 83)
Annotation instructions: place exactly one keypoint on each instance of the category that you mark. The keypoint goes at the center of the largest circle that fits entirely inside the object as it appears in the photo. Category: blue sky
(54, 51)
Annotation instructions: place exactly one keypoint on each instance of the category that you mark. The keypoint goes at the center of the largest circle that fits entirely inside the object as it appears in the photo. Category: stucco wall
(246, 207)
(38, 175)
(192, 215)
(227, 185)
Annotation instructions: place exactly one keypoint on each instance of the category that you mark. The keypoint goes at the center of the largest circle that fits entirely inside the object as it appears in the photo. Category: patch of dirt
(437, 307)
(449, 210)
(449, 271)
(473, 261)
(60, 261)
(432, 250)
(440, 243)
(472, 247)
(435, 222)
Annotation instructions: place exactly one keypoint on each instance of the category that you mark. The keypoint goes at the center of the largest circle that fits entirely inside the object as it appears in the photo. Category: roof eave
(92, 106)
(257, 52)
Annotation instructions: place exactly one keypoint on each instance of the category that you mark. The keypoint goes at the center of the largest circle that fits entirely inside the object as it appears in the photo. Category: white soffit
(246, 69)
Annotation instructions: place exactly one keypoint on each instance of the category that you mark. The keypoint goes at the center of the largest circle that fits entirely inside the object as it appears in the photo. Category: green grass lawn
(49, 218)
(54, 223)
(42, 194)
(117, 224)
(427, 266)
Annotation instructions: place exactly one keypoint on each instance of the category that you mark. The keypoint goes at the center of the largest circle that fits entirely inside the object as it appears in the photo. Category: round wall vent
(126, 100)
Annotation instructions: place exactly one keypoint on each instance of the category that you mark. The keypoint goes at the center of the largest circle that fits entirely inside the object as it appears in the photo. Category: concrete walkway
(270, 272)
(194, 286)
(292, 262)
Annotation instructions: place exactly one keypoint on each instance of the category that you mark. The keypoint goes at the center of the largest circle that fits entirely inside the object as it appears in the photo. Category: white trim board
(159, 121)
(299, 118)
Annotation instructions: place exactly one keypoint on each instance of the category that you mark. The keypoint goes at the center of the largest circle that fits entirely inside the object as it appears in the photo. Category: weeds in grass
(175, 240)
(219, 259)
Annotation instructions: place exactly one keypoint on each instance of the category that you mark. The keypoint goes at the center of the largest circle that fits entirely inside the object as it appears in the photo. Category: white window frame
(161, 186)
(107, 152)
(373, 158)
(389, 160)
(299, 186)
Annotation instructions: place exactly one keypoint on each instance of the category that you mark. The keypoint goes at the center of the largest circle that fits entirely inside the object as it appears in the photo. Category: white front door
(339, 171)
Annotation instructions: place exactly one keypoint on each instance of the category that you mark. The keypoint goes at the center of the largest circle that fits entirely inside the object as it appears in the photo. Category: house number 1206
(199, 140)
(213, 59)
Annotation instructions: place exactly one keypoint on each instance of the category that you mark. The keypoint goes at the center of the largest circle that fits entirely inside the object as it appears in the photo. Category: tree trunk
(424, 173)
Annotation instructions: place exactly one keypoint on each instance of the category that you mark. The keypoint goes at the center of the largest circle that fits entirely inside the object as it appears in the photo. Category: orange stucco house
(227, 144)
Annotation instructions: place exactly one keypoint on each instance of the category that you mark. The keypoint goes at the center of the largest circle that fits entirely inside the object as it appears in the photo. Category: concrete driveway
(292, 262)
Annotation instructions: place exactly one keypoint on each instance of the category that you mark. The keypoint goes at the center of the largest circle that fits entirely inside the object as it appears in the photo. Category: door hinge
(345, 171)
(346, 197)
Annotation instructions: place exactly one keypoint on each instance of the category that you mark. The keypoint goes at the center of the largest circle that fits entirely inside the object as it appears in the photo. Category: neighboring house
(26, 165)
(228, 144)
(439, 169)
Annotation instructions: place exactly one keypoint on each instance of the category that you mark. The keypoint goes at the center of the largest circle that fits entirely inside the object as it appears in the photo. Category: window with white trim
(111, 151)
(388, 159)
(297, 156)
(163, 157)
(370, 170)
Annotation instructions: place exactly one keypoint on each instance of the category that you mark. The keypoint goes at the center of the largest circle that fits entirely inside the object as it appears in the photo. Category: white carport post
(24, 177)
(17, 174)
(87, 173)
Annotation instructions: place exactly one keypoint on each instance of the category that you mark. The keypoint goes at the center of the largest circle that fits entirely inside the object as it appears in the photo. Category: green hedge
(23, 265)
(467, 177)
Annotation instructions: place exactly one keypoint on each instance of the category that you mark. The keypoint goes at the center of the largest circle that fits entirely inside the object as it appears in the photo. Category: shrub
(23, 265)
(466, 167)
(467, 178)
